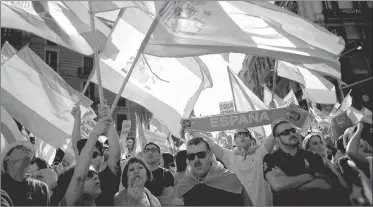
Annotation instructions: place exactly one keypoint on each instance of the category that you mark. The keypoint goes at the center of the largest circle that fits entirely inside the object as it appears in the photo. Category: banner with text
(296, 116)
(86, 127)
(226, 107)
(126, 127)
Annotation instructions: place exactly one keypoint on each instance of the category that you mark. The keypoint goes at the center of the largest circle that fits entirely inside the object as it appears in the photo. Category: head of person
(199, 156)
(314, 143)
(135, 173)
(106, 149)
(168, 161)
(48, 176)
(243, 139)
(17, 157)
(331, 152)
(181, 161)
(91, 189)
(152, 153)
(36, 165)
(286, 134)
(98, 152)
(130, 142)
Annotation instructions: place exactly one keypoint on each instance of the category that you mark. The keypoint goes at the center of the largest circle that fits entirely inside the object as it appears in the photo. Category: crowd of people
(284, 169)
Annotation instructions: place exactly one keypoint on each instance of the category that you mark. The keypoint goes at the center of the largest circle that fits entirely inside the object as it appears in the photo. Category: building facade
(352, 20)
(75, 68)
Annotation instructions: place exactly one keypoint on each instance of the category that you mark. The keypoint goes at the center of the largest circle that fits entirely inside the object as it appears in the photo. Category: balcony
(84, 72)
(344, 14)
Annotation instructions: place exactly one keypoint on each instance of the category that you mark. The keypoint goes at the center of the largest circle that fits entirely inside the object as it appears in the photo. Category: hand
(103, 110)
(277, 171)
(133, 193)
(76, 112)
(102, 125)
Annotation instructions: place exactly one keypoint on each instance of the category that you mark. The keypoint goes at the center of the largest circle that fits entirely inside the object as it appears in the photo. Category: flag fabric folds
(141, 139)
(7, 51)
(44, 108)
(167, 87)
(9, 128)
(267, 98)
(45, 151)
(317, 88)
(64, 23)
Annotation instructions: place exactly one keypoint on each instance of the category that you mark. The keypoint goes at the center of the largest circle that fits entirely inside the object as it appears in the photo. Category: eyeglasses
(287, 132)
(95, 154)
(243, 134)
(200, 155)
(90, 175)
(153, 150)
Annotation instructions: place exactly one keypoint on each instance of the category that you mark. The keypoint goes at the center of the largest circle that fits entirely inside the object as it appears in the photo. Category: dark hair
(274, 128)
(339, 145)
(152, 143)
(62, 184)
(131, 161)
(248, 132)
(307, 139)
(197, 140)
(168, 158)
(180, 160)
(81, 143)
(42, 164)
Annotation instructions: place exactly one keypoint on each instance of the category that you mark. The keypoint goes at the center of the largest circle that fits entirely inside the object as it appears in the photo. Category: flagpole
(139, 52)
(272, 104)
(96, 64)
(230, 82)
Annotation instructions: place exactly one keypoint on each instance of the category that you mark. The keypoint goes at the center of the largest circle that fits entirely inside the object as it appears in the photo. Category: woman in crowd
(314, 142)
(167, 162)
(134, 176)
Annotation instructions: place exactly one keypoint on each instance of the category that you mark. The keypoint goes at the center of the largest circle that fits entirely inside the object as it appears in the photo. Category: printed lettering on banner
(86, 127)
(90, 114)
(226, 107)
(126, 127)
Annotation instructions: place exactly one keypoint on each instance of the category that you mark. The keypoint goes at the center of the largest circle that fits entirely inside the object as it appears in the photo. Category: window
(51, 58)
(358, 64)
(352, 32)
(6, 32)
(91, 90)
(122, 102)
(327, 4)
(120, 119)
(345, 4)
(370, 4)
(47, 42)
(87, 63)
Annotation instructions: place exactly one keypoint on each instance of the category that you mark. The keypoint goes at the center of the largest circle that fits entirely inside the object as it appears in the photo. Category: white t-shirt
(250, 173)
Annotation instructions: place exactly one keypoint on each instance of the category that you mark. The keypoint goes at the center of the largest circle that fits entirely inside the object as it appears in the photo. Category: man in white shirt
(247, 163)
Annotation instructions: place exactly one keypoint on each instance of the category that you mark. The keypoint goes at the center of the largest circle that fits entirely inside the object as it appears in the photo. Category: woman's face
(136, 175)
(317, 146)
(92, 183)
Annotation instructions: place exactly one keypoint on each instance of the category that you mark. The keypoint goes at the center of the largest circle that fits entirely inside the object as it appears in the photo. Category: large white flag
(267, 98)
(38, 98)
(317, 88)
(44, 150)
(9, 129)
(191, 28)
(67, 24)
(7, 51)
(167, 87)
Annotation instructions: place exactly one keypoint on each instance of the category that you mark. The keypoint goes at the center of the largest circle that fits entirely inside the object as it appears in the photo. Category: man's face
(199, 159)
(151, 154)
(243, 139)
(287, 135)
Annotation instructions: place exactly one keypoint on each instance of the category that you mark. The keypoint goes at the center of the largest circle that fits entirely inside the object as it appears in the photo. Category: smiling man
(207, 183)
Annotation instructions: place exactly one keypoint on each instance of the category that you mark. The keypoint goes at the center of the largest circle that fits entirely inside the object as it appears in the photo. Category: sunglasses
(95, 154)
(287, 132)
(90, 175)
(200, 155)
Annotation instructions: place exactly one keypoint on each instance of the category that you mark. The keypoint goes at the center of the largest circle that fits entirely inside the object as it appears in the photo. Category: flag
(44, 151)
(317, 88)
(167, 87)
(38, 98)
(291, 98)
(64, 23)
(267, 98)
(9, 128)
(246, 100)
(7, 51)
(346, 103)
(354, 115)
(140, 136)
(193, 28)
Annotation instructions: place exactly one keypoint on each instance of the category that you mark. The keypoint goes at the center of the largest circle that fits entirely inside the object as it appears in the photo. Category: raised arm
(75, 136)
(76, 186)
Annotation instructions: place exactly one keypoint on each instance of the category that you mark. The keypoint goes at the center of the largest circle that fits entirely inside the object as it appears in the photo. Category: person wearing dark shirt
(208, 183)
(20, 187)
(162, 185)
(297, 177)
(109, 172)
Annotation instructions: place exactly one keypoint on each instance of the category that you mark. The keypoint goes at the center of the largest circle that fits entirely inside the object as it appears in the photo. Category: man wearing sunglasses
(162, 184)
(110, 175)
(22, 189)
(297, 177)
(207, 183)
(246, 161)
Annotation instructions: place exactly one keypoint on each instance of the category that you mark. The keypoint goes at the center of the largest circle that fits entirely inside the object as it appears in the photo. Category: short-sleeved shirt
(109, 183)
(250, 172)
(162, 178)
(303, 162)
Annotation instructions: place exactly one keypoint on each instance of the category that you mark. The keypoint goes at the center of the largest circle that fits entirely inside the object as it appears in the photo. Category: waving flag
(44, 150)
(9, 128)
(267, 97)
(167, 87)
(67, 24)
(141, 139)
(192, 28)
(7, 51)
(44, 108)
